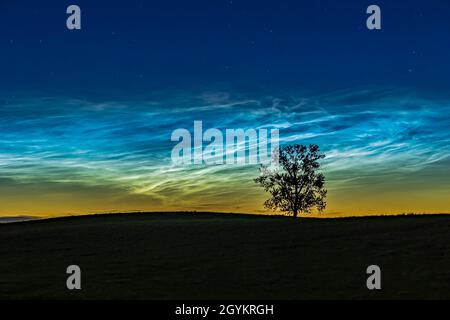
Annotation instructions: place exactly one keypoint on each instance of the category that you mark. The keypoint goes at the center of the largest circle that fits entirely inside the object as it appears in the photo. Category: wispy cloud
(126, 144)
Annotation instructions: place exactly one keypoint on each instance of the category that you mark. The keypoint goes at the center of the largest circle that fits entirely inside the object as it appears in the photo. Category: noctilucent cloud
(86, 115)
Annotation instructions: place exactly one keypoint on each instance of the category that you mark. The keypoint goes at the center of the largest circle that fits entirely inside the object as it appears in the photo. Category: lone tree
(295, 186)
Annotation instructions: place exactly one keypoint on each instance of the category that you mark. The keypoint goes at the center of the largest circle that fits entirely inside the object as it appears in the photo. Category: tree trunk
(295, 213)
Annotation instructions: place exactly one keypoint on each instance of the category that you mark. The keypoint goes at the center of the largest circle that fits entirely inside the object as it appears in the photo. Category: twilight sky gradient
(86, 116)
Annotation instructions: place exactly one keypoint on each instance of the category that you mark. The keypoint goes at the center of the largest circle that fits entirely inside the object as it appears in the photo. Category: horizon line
(16, 218)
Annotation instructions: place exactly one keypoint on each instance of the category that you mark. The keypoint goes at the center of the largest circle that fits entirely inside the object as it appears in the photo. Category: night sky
(86, 115)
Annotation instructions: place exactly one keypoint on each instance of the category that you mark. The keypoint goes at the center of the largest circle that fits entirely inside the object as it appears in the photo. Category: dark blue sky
(86, 116)
(136, 46)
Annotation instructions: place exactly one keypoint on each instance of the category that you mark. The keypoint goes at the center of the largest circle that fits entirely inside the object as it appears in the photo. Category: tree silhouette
(295, 186)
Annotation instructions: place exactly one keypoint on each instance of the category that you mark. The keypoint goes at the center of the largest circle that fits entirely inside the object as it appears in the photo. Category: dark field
(218, 256)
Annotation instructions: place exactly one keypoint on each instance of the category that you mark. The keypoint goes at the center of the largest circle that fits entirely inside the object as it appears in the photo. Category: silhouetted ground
(212, 256)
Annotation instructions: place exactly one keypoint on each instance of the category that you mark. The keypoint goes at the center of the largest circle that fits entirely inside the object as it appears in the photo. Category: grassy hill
(215, 256)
